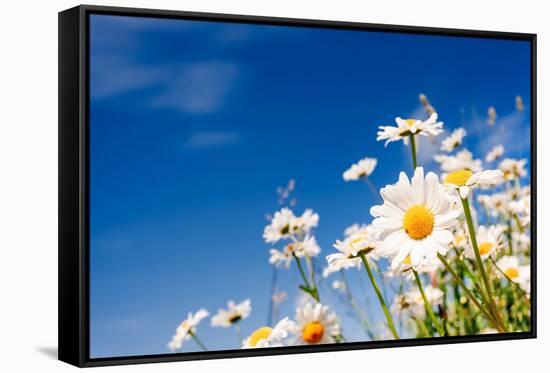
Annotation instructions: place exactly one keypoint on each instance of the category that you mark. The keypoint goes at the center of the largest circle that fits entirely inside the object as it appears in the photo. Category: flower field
(445, 252)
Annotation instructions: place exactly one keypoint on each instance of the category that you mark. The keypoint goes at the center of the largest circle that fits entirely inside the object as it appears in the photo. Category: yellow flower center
(485, 247)
(418, 222)
(512, 273)
(459, 238)
(262, 333)
(459, 177)
(313, 332)
(410, 122)
(184, 324)
(407, 260)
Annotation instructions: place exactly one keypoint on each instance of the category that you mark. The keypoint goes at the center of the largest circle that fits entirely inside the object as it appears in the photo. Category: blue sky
(194, 124)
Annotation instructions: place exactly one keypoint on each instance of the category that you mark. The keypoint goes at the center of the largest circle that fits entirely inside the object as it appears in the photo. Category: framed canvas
(234, 186)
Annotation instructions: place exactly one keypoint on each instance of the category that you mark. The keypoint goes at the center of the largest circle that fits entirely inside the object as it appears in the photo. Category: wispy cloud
(199, 87)
(112, 76)
(511, 130)
(210, 139)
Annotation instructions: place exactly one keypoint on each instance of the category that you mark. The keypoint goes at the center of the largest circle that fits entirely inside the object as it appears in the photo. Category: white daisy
(411, 302)
(187, 328)
(460, 238)
(454, 140)
(354, 228)
(269, 337)
(284, 224)
(306, 248)
(280, 226)
(315, 324)
(416, 219)
(513, 168)
(464, 180)
(496, 203)
(232, 315)
(494, 153)
(305, 223)
(361, 169)
(489, 240)
(403, 269)
(406, 127)
(520, 274)
(462, 160)
(363, 241)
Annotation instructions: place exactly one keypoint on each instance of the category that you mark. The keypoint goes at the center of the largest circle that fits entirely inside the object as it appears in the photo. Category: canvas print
(261, 186)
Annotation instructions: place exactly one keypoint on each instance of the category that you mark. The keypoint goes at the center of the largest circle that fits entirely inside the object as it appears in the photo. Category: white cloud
(511, 130)
(199, 87)
(209, 139)
(112, 76)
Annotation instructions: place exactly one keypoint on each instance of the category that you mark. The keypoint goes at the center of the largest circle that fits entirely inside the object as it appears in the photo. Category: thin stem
(307, 287)
(372, 188)
(481, 268)
(413, 150)
(379, 295)
(487, 314)
(271, 300)
(198, 341)
(428, 305)
(362, 317)
(302, 273)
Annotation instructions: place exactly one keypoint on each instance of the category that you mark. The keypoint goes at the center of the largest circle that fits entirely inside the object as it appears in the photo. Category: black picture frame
(73, 185)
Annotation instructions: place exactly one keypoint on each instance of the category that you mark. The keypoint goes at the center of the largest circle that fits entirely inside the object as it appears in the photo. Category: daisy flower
(494, 153)
(406, 127)
(403, 269)
(462, 160)
(460, 238)
(315, 324)
(411, 303)
(464, 180)
(305, 223)
(280, 226)
(489, 240)
(187, 329)
(232, 315)
(454, 140)
(269, 337)
(348, 256)
(416, 219)
(520, 274)
(306, 248)
(284, 223)
(361, 169)
(513, 168)
(354, 228)
(495, 203)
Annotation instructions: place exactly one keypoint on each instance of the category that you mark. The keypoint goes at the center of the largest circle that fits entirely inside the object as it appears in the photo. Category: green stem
(487, 314)
(379, 295)
(428, 305)
(362, 317)
(481, 268)
(413, 150)
(198, 341)
(307, 287)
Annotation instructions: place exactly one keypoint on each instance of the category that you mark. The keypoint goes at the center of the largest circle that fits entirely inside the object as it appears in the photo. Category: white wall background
(28, 184)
